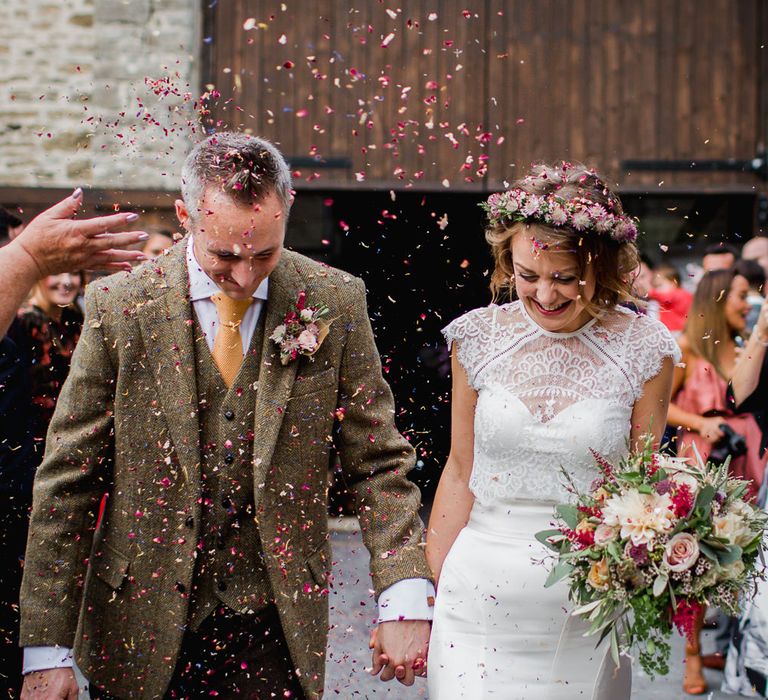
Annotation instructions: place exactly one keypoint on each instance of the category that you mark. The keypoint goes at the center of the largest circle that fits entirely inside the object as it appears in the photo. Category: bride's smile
(547, 281)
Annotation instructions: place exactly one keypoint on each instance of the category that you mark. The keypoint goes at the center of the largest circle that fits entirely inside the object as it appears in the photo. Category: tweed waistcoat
(229, 568)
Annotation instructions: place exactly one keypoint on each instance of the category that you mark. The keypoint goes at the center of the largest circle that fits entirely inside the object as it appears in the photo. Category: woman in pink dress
(699, 410)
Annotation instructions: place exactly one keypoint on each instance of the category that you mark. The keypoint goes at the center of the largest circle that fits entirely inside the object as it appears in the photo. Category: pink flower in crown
(625, 230)
(557, 214)
(494, 202)
(605, 223)
(509, 203)
(580, 220)
(532, 206)
(596, 211)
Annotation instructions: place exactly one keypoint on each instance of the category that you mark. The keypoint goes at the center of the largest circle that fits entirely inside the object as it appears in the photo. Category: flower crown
(578, 213)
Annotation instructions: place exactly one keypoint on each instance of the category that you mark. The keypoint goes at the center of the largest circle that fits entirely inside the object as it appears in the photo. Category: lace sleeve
(471, 333)
(649, 343)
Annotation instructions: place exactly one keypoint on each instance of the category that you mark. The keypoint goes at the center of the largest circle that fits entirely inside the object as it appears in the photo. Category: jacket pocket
(319, 565)
(314, 382)
(110, 566)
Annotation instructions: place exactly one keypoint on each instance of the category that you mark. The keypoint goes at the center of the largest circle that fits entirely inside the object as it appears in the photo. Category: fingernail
(77, 193)
(131, 217)
(143, 236)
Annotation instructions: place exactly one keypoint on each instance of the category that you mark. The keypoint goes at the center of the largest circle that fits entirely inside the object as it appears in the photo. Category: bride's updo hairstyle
(569, 208)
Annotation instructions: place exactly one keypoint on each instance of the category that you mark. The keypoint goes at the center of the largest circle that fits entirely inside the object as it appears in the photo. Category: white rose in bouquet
(731, 572)
(732, 527)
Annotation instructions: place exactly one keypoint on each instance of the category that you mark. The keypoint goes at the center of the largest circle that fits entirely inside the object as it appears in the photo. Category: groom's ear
(182, 214)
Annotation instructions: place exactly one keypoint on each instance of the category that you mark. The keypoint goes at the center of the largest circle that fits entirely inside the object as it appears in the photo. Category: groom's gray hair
(246, 168)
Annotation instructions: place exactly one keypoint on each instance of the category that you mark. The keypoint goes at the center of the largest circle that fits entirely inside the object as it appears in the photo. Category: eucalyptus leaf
(614, 551)
(569, 514)
(729, 555)
(704, 499)
(559, 572)
(588, 607)
(660, 584)
(615, 646)
(544, 536)
(708, 551)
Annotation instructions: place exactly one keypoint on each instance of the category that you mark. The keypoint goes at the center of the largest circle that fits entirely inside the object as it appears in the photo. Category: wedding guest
(160, 239)
(49, 329)
(642, 284)
(53, 242)
(719, 256)
(536, 383)
(674, 301)
(749, 383)
(746, 669)
(10, 226)
(751, 271)
(757, 249)
(699, 409)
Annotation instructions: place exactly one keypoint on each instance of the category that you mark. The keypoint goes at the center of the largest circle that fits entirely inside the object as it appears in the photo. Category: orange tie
(228, 343)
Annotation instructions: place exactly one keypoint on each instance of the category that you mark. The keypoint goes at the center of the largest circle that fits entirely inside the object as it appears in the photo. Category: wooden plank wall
(467, 94)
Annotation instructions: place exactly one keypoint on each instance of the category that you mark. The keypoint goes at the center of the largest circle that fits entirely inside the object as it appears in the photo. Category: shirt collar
(203, 287)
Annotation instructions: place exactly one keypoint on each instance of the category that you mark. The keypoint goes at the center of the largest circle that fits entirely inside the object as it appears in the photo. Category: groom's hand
(400, 650)
(52, 684)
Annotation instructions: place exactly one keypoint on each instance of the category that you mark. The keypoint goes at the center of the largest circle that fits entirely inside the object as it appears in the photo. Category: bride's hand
(400, 650)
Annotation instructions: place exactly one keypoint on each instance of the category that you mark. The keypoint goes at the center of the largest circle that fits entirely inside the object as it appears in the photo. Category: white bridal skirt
(498, 633)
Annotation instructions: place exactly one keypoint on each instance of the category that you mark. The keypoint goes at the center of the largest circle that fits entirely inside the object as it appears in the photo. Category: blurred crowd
(715, 308)
(717, 313)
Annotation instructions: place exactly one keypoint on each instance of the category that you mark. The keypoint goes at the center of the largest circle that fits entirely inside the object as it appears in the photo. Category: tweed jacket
(126, 425)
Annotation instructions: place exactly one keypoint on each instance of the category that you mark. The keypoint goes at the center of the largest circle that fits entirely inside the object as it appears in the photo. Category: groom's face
(236, 245)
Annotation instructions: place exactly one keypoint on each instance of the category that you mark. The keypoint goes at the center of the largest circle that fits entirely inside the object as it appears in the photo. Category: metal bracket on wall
(333, 163)
(757, 165)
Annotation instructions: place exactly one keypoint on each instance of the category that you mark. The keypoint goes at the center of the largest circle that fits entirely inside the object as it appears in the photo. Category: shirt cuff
(409, 599)
(43, 658)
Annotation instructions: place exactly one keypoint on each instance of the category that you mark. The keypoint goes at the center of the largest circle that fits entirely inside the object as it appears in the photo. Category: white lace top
(545, 399)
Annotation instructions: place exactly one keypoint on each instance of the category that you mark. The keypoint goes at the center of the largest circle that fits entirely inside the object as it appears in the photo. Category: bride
(537, 384)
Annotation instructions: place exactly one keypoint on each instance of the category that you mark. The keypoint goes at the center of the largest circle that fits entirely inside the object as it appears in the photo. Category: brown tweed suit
(127, 424)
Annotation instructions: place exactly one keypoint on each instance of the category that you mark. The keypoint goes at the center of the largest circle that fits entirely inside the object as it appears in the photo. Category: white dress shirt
(409, 599)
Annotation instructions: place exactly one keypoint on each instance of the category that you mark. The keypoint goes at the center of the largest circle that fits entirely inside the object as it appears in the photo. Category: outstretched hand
(400, 650)
(58, 243)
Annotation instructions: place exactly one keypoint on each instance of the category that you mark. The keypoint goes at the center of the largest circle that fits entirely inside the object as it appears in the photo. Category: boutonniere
(302, 330)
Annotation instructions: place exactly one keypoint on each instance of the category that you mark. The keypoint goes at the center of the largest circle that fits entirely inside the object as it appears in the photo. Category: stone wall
(97, 92)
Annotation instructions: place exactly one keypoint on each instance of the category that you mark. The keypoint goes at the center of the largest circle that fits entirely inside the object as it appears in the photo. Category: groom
(208, 571)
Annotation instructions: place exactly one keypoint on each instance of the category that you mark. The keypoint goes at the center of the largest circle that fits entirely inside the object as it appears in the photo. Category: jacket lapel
(167, 329)
(275, 380)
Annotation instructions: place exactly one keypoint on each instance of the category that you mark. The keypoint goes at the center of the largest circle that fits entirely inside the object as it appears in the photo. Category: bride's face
(547, 282)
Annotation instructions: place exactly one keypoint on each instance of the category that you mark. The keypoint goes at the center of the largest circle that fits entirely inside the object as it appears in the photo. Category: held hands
(51, 684)
(58, 243)
(400, 650)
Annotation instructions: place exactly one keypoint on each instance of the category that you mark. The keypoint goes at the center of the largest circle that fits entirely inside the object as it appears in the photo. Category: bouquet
(654, 541)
